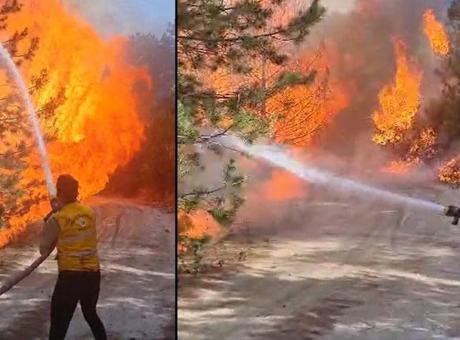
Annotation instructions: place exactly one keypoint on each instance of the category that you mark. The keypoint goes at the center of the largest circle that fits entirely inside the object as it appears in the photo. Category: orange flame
(423, 147)
(399, 167)
(399, 101)
(197, 225)
(300, 112)
(306, 110)
(436, 33)
(283, 186)
(97, 129)
(450, 172)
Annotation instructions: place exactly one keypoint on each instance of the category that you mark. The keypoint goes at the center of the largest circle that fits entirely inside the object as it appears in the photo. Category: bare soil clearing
(137, 289)
(331, 268)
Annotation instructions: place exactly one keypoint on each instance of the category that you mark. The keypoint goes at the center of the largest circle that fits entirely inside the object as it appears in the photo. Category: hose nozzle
(453, 211)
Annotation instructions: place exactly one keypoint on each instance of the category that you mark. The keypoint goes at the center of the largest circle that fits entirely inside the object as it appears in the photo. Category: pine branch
(203, 192)
(206, 138)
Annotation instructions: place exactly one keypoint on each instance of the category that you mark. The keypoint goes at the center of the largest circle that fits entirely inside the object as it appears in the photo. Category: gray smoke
(122, 17)
(363, 37)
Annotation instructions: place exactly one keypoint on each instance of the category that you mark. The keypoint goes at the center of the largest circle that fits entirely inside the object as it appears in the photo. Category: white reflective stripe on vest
(81, 253)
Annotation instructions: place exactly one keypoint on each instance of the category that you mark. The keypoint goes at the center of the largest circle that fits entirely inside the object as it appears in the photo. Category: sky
(126, 16)
(132, 16)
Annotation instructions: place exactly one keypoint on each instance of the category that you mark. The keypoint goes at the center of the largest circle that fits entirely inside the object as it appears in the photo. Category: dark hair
(67, 188)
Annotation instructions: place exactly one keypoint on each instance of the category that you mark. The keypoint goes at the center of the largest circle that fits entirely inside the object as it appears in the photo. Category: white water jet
(27, 101)
(279, 158)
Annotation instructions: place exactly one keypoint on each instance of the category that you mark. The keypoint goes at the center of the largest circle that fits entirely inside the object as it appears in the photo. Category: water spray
(27, 101)
(278, 157)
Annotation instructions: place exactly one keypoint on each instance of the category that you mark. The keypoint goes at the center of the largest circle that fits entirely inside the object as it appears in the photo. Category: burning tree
(399, 101)
(440, 132)
(445, 111)
(88, 85)
(241, 37)
(151, 173)
(436, 34)
(400, 125)
(17, 145)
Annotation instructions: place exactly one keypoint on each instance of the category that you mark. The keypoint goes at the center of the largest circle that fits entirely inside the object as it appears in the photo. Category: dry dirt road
(137, 288)
(332, 268)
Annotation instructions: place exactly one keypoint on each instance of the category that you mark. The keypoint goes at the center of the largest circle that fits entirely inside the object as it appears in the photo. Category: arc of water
(11, 282)
(33, 120)
(279, 158)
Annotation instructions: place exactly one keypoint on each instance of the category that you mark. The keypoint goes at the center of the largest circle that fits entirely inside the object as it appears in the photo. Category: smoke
(342, 6)
(360, 33)
(150, 174)
(362, 38)
(144, 24)
(277, 200)
(120, 17)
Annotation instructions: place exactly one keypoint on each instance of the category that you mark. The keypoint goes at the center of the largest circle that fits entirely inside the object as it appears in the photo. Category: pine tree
(17, 142)
(241, 37)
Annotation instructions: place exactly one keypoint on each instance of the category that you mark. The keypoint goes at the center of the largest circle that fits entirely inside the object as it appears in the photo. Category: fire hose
(15, 279)
(451, 211)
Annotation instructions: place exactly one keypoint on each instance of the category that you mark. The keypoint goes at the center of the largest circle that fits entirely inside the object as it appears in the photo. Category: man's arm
(49, 236)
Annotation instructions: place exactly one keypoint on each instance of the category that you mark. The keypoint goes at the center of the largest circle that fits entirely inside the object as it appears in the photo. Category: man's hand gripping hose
(453, 211)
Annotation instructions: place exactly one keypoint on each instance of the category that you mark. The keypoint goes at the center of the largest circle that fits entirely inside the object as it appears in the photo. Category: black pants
(73, 287)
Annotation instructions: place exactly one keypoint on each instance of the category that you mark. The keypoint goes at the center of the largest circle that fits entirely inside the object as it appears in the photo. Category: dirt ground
(137, 298)
(330, 267)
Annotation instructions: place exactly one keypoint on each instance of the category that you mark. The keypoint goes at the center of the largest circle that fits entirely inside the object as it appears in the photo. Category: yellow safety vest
(77, 241)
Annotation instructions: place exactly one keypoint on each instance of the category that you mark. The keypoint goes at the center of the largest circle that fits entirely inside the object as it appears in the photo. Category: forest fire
(436, 33)
(200, 223)
(422, 148)
(399, 167)
(197, 225)
(282, 186)
(95, 127)
(304, 111)
(450, 172)
(399, 101)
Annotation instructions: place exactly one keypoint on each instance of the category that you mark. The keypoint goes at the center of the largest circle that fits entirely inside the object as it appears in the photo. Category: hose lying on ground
(15, 279)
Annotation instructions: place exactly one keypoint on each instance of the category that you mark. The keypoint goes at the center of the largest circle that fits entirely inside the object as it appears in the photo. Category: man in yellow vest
(71, 228)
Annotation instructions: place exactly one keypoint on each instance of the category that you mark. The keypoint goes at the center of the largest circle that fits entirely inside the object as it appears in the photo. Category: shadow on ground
(356, 272)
